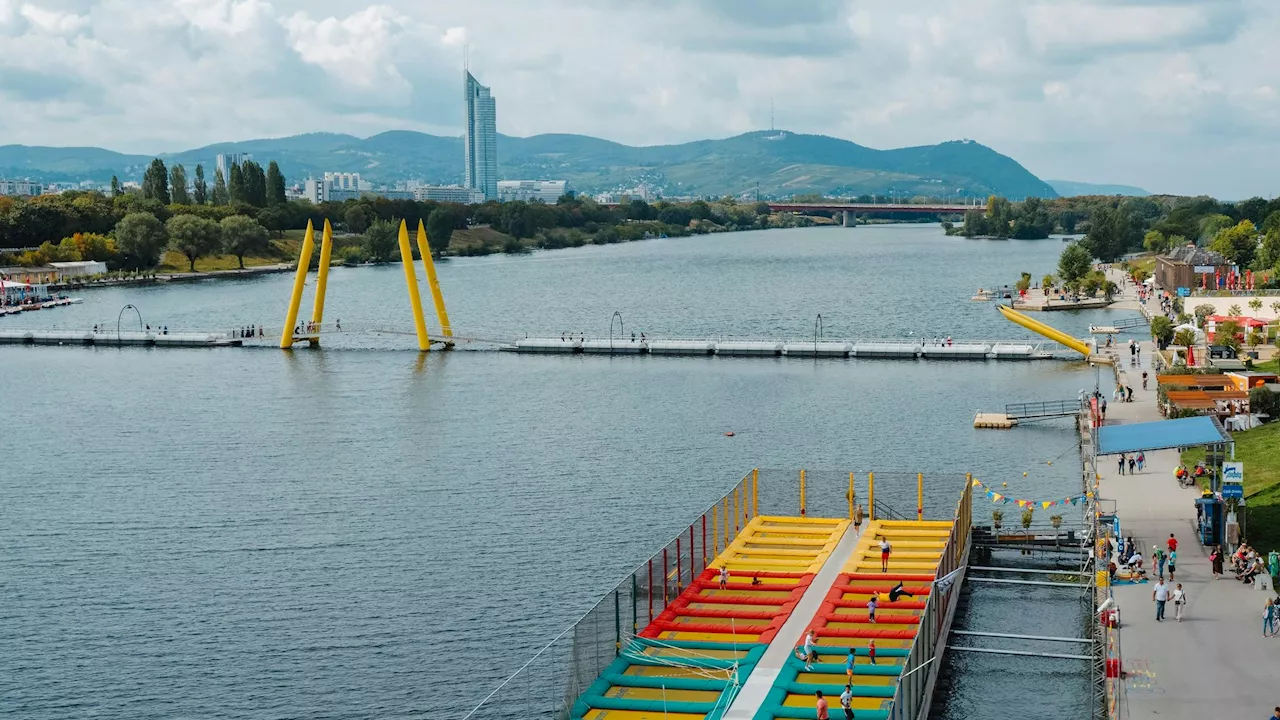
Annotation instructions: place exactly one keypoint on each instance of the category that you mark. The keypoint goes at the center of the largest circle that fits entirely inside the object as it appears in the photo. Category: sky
(1175, 96)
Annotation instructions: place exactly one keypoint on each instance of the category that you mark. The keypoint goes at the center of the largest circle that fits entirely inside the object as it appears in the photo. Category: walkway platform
(113, 339)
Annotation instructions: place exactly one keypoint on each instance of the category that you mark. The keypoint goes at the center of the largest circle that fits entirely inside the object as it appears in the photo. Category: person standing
(724, 577)
(871, 607)
(1122, 459)
(1158, 557)
(1216, 560)
(823, 712)
(1142, 459)
(1173, 565)
(846, 701)
(1160, 595)
(1179, 599)
(885, 549)
(810, 652)
(849, 662)
(857, 518)
(871, 651)
(1269, 617)
(1133, 462)
(1171, 543)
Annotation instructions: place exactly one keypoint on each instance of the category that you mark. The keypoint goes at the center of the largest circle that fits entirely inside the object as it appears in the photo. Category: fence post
(693, 557)
(850, 495)
(802, 493)
(617, 624)
(664, 578)
(715, 528)
(650, 590)
(735, 512)
(871, 496)
(919, 496)
(704, 541)
(755, 492)
(635, 621)
(679, 565)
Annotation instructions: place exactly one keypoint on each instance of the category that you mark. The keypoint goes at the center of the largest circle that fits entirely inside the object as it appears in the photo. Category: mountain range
(779, 163)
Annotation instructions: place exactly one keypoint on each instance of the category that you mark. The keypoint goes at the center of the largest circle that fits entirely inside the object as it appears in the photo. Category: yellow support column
(299, 280)
(871, 496)
(715, 531)
(411, 281)
(755, 492)
(735, 512)
(851, 496)
(802, 493)
(322, 278)
(437, 297)
(919, 496)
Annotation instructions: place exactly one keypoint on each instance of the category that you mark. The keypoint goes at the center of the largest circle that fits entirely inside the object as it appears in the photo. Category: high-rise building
(547, 191)
(224, 161)
(480, 138)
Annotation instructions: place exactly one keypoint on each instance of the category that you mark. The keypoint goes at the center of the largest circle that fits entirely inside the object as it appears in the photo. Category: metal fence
(915, 684)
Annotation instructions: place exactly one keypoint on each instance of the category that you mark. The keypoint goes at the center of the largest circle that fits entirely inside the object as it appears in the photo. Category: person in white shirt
(885, 549)
(1160, 595)
(846, 702)
(1179, 599)
(810, 653)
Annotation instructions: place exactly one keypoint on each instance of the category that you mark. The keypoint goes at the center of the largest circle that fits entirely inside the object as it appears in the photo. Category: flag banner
(996, 497)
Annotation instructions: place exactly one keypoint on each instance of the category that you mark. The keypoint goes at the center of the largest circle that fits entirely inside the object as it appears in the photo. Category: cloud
(1175, 95)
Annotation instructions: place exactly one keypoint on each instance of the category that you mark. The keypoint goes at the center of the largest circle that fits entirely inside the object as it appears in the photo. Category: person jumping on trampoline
(871, 608)
(724, 577)
(898, 592)
(885, 549)
(755, 580)
(871, 651)
(848, 665)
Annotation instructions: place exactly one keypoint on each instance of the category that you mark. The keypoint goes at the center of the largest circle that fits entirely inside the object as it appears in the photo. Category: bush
(1263, 400)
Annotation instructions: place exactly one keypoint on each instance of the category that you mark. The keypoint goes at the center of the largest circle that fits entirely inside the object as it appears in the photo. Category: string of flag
(996, 497)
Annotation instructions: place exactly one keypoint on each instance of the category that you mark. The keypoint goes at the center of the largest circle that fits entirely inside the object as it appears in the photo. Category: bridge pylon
(299, 280)
(437, 297)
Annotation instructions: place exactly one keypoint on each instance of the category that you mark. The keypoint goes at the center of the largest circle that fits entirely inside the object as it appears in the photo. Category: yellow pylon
(437, 297)
(322, 279)
(299, 279)
(411, 282)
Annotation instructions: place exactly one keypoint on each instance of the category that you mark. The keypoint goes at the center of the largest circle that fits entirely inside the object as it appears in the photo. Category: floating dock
(892, 349)
(994, 421)
(86, 337)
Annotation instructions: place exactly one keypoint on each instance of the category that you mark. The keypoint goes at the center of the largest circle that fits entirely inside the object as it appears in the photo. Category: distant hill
(1067, 188)
(782, 163)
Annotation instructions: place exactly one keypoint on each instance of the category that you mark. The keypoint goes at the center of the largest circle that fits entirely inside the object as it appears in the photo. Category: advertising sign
(1233, 472)
(1232, 490)
(1205, 269)
(1184, 292)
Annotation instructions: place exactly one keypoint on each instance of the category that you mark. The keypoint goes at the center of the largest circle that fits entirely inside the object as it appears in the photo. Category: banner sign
(1232, 472)
(996, 497)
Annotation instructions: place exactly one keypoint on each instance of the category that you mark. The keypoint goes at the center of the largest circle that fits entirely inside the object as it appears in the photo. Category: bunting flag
(996, 497)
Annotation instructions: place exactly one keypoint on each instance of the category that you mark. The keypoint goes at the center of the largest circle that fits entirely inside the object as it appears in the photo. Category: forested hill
(782, 163)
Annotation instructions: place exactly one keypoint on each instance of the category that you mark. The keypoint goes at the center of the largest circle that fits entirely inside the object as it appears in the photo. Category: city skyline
(1171, 96)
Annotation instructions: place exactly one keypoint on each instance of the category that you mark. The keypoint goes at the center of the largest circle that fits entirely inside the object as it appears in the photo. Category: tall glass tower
(480, 138)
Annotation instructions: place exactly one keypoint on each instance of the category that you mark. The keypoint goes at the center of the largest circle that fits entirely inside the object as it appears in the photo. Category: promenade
(1215, 663)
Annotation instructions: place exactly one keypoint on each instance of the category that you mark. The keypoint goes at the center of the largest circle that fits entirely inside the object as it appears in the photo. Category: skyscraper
(224, 161)
(480, 138)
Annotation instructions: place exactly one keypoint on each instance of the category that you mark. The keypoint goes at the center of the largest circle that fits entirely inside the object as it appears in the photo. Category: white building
(79, 268)
(547, 191)
(448, 193)
(224, 161)
(480, 138)
(347, 181)
(20, 187)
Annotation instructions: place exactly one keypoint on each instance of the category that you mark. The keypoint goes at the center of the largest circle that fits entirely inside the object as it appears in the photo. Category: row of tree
(248, 184)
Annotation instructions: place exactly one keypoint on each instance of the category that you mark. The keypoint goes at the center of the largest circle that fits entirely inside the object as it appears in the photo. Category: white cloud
(1175, 95)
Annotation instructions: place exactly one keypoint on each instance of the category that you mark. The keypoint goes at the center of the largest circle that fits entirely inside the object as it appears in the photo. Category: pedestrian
(1128, 394)
(1171, 543)
(857, 518)
(1142, 459)
(810, 652)
(1158, 557)
(823, 713)
(724, 577)
(871, 651)
(1173, 564)
(1133, 461)
(1216, 560)
(1122, 458)
(849, 662)
(1160, 595)
(1102, 408)
(846, 701)
(1269, 619)
(885, 549)
(871, 607)
(337, 324)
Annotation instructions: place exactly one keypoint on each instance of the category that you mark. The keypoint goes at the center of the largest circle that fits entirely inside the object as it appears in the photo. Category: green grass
(1259, 450)
(174, 263)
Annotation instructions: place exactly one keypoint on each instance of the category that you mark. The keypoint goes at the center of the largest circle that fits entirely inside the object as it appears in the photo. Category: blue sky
(1172, 95)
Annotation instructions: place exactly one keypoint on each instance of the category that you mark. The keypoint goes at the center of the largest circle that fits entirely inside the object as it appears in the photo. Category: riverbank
(1215, 662)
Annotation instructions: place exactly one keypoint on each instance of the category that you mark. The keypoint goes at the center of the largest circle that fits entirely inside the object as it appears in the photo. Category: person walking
(1122, 459)
(1179, 599)
(849, 662)
(857, 518)
(1215, 559)
(871, 608)
(846, 702)
(1158, 557)
(1161, 596)
(1173, 565)
(1269, 617)
(823, 712)
(1171, 543)
(1142, 459)
(1133, 462)
(810, 652)
(885, 549)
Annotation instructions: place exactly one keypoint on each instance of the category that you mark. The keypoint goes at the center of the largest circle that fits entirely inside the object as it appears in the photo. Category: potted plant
(1027, 516)
(1056, 521)
(997, 520)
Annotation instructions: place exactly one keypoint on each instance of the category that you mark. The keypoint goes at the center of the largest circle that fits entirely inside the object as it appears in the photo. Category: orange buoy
(729, 434)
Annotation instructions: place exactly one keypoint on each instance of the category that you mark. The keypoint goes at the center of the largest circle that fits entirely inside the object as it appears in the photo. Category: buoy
(729, 434)
(1004, 484)
(1024, 473)
(1050, 462)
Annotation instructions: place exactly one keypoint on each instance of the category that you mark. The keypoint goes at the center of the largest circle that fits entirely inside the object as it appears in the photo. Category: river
(359, 532)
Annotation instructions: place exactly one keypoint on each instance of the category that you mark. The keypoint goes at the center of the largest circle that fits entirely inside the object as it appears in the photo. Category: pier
(1015, 413)
(117, 339)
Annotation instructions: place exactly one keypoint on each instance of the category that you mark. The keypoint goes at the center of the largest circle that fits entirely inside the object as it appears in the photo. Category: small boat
(983, 295)
(1103, 330)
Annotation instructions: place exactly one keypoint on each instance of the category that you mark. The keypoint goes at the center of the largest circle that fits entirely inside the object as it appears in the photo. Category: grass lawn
(174, 262)
(1259, 450)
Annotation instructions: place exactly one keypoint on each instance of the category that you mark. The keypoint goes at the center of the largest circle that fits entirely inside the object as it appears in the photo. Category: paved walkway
(1215, 663)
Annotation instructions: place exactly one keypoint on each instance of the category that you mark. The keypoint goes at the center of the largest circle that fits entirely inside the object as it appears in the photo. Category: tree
(1272, 222)
(440, 226)
(975, 224)
(1024, 282)
(1235, 311)
(141, 239)
(242, 236)
(200, 189)
(358, 218)
(115, 186)
(1046, 282)
(1255, 305)
(1228, 333)
(1211, 225)
(193, 236)
(1156, 242)
(155, 182)
(220, 194)
(381, 240)
(235, 185)
(1162, 330)
(275, 185)
(1074, 263)
(1269, 252)
(178, 185)
(276, 219)
(1275, 308)
(255, 184)
(1112, 233)
(1202, 312)
(91, 246)
(1238, 244)
(1184, 337)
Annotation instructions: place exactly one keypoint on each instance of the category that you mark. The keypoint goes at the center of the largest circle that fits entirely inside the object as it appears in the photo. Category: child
(885, 549)
(848, 665)
(871, 608)
(871, 651)
(724, 577)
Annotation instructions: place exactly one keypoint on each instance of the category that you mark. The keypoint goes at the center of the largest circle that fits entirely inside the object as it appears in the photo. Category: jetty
(116, 339)
(1015, 413)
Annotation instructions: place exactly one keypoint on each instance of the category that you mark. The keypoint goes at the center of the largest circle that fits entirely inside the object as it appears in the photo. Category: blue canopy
(1161, 435)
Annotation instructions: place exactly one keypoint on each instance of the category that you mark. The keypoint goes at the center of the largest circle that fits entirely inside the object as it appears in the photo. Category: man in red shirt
(1172, 543)
(823, 712)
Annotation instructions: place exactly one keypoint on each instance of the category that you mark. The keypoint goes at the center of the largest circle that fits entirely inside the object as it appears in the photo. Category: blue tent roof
(1161, 435)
